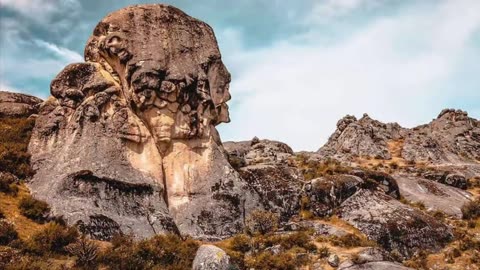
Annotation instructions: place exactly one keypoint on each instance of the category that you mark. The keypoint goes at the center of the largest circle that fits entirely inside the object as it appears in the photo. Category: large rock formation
(127, 141)
(451, 138)
(360, 138)
(18, 105)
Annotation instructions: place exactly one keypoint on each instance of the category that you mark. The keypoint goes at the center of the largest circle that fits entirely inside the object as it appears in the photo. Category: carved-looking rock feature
(142, 112)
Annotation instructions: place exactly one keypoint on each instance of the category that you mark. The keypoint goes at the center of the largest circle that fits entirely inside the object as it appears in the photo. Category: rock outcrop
(393, 225)
(267, 168)
(435, 196)
(18, 105)
(127, 141)
(360, 138)
(451, 138)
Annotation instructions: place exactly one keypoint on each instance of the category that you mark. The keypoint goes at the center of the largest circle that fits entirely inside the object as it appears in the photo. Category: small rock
(317, 266)
(333, 260)
(210, 257)
(275, 249)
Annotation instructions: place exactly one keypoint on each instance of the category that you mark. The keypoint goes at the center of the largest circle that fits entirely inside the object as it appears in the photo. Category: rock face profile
(18, 105)
(127, 141)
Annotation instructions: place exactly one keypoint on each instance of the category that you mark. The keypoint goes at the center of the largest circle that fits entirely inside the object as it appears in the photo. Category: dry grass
(395, 149)
(9, 205)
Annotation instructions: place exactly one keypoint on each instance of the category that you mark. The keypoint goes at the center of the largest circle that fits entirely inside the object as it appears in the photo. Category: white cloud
(393, 68)
(323, 11)
(40, 10)
(64, 53)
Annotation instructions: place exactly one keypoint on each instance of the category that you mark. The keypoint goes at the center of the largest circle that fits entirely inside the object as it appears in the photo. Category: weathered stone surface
(374, 266)
(450, 178)
(319, 228)
(393, 225)
(259, 151)
(265, 166)
(333, 260)
(210, 257)
(433, 195)
(383, 180)
(451, 138)
(327, 193)
(129, 139)
(368, 255)
(18, 105)
(360, 138)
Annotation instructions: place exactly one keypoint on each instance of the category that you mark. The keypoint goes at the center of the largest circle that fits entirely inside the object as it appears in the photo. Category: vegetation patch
(14, 138)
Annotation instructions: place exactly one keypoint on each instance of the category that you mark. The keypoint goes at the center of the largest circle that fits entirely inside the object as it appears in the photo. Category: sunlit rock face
(127, 142)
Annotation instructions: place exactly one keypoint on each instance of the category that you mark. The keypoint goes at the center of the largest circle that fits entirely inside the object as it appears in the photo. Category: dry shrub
(350, 240)
(323, 252)
(7, 232)
(261, 222)
(8, 184)
(313, 169)
(168, 252)
(266, 260)
(14, 137)
(33, 209)
(85, 251)
(241, 243)
(53, 238)
(471, 210)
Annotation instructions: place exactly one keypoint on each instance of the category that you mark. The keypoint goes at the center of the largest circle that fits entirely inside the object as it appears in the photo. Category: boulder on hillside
(18, 105)
(210, 257)
(395, 226)
(435, 196)
(326, 193)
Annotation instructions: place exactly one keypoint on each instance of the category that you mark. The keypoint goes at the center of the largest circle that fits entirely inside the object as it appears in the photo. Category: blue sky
(297, 66)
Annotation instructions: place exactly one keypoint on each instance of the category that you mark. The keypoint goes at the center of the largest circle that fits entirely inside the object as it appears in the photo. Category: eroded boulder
(265, 165)
(435, 196)
(395, 226)
(129, 139)
(210, 257)
(18, 105)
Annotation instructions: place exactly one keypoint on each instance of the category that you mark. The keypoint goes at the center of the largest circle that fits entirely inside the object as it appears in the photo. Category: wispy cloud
(61, 52)
(40, 10)
(394, 68)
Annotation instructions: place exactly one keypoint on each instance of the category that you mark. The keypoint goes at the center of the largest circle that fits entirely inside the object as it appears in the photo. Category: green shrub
(53, 238)
(261, 222)
(471, 209)
(7, 233)
(33, 209)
